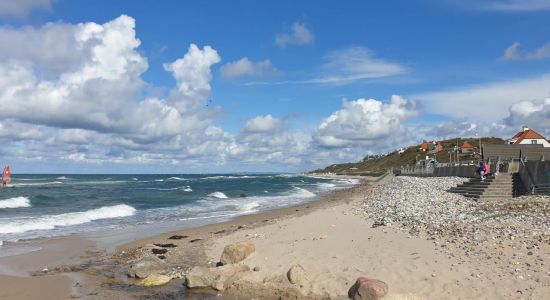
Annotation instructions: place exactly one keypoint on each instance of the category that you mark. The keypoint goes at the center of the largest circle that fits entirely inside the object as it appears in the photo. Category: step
(495, 197)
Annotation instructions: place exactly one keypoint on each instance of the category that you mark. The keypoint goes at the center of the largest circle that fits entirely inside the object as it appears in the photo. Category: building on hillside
(528, 136)
(466, 148)
(438, 148)
(431, 147)
(425, 146)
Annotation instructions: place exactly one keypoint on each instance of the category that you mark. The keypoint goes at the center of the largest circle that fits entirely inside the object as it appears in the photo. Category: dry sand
(336, 245)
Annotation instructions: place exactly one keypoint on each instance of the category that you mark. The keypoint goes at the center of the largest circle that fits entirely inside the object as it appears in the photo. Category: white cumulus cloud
(363, 121)
(85, 99)
(266, 123)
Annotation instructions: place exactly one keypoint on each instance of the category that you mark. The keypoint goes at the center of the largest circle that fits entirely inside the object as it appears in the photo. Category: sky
(124, 86)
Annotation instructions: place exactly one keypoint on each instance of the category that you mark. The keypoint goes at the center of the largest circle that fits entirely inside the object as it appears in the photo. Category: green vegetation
(374, 164)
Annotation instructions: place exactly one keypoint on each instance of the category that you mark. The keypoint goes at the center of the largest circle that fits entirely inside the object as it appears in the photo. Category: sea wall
(458, 171)
(535, 176)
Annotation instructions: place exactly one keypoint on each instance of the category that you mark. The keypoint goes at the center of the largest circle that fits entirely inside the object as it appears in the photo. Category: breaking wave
(15, 202)
(66, 219)
(219, 195)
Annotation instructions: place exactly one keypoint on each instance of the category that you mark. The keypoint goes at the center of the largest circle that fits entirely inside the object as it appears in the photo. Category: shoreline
(20, 270)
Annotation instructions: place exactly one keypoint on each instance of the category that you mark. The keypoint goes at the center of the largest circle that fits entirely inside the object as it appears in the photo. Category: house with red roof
(466, 148)
(528, 137)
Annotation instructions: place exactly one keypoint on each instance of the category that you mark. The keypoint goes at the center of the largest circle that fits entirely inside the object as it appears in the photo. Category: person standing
(481, 170)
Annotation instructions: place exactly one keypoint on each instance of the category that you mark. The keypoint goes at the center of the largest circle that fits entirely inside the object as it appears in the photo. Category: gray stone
(297, 274)
(368, 289)
(199, 277)
(237, 252)
(146, 266)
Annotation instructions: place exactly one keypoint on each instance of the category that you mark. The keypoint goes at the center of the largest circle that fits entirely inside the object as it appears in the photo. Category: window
(534, 142)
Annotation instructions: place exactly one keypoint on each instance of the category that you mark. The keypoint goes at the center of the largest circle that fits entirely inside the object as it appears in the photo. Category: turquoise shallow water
(52, 205)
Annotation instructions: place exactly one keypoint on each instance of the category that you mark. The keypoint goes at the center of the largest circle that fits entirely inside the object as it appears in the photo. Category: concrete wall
(459, 171)
(535, 174)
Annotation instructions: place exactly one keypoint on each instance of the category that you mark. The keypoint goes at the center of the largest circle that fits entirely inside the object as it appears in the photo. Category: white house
(528, 137)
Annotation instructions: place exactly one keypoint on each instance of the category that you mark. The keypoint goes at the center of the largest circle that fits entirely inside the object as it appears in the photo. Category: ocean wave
(187, 189)
(236, 177)
(61, 178)
(36, 183)
(209, 217)
(164, 189)
(66, 219)
(219, 195)
(98, 182)
(302, 193)
(326, 185)
(15, 202)
(159, 180)
(175, 178)
(249, 206)
(287, 175)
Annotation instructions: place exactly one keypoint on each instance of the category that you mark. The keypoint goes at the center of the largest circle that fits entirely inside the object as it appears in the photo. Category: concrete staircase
(492, 188)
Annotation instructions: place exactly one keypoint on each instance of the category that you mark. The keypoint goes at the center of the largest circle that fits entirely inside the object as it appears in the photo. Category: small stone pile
(419, 203)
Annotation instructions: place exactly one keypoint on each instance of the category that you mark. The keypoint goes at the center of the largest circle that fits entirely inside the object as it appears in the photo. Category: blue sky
(287, 86)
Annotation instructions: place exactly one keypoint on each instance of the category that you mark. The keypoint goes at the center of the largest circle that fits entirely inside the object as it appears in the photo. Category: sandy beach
(445, 247)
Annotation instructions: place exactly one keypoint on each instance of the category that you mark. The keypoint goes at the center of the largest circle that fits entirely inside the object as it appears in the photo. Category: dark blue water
(50, 205)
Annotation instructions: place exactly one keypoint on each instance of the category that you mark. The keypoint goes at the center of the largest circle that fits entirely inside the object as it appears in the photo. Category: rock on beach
(297, 274)
(146, 266)
(236, 252)
(368, 289)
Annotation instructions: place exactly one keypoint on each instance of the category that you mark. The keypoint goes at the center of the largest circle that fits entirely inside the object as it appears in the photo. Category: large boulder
(227, 275)
(199, 277)
(146, 266)
(297, 274)
(155, 279)
(237, 252)
(368, 289)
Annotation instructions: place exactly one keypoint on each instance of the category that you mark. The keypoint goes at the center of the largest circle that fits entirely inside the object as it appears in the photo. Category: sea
(39, 206)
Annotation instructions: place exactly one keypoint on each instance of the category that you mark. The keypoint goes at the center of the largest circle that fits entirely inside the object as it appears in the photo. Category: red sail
(6, 175)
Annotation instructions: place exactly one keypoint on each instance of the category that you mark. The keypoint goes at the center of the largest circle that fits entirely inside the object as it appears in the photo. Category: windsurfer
(6, 176)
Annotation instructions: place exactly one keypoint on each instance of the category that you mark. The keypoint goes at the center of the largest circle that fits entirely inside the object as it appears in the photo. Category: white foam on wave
(187, 189)
(326, 185)
(36, 183)
(176, 178)
(15, 202)
(163, 189)
(249, 207)
(158, 180)
(236, 176)
(218, 195)
(66, 219)
(61, 178)
(302, 193)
